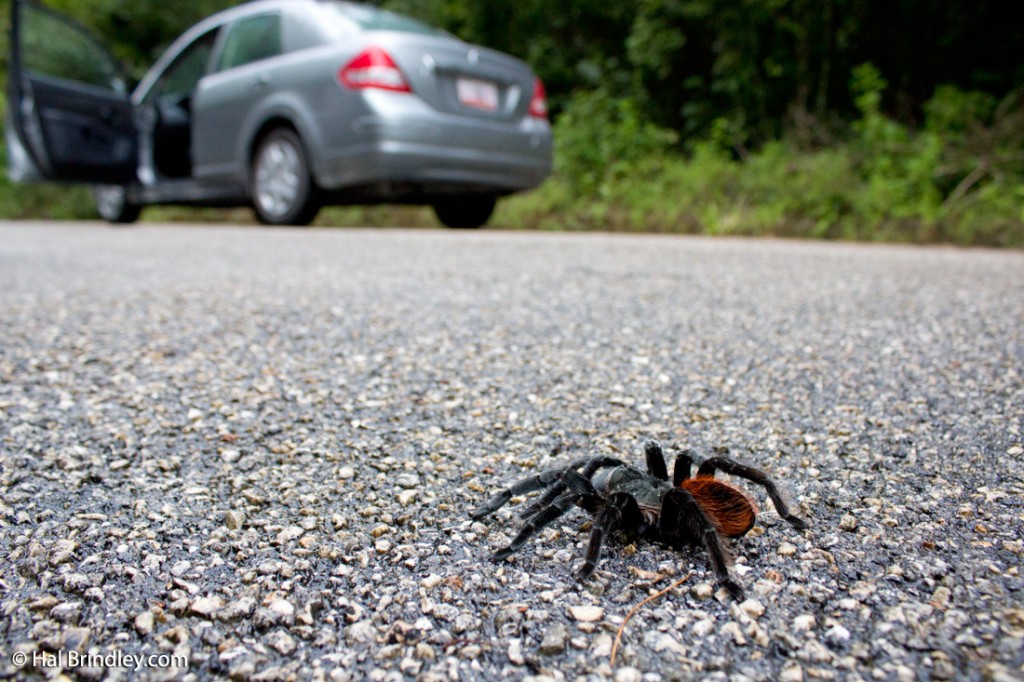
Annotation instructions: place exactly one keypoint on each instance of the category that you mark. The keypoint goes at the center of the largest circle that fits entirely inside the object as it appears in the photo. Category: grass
(817, 195)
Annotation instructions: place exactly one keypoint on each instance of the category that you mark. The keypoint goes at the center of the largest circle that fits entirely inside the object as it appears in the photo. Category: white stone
(206, 606)
(804, 621)
(793, 673)
(752, 608)
(431, 581)
(786, 549)
(145, 622)
(586, 614)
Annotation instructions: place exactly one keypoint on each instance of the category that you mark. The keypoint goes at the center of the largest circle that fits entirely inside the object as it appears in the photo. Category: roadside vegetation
(836, 119)
(957, 179)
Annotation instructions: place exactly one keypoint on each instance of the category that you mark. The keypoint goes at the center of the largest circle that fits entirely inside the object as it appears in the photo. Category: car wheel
(465, 211)
(282, 187)
(113, 206)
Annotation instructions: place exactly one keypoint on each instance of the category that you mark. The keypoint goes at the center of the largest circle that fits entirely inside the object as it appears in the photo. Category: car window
(181, 76)
(372, 19)
(53, 47)
(250, 40)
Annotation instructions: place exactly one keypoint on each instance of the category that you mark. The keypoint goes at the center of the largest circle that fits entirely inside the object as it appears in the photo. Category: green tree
(570, 44)
(136, 31)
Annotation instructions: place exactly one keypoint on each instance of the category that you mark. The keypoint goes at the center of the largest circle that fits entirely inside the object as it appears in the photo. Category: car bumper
(475, 156)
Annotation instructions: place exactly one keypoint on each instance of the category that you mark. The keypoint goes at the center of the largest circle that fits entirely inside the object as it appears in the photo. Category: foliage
(688, 63)
(758, 64)
(603, 140)
(137, 31)
(569, 43)
(959, 180)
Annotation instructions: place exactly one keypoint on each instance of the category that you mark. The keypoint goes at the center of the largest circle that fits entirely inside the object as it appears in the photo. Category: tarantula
(688, 511)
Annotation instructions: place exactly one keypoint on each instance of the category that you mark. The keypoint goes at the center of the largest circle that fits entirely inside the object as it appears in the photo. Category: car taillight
(539, 101)
(373, 68)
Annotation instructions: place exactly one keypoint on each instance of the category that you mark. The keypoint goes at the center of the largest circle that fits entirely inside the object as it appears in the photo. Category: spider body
(623, 499)
(626, 479)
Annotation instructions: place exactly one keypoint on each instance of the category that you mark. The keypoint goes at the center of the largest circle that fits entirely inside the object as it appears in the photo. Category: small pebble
(234, 519)
(67, 612)
(145, 622)
(586, 614)
(515, 652)
(941, 597)
(732, 629)
(791, 673)
(804, 621)
(628, 674)
(703, 591)
(431, 581)
(283, 643)
(236, 609)
(75, 639)
(752, 608)
(786, 549)
(206, 606)
(554, 641)
(837, 636)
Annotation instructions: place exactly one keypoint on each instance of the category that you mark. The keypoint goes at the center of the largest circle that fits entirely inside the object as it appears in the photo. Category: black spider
(688, 511)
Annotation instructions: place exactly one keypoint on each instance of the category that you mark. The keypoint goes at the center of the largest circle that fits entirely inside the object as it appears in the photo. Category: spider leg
(536, 523)
(581, 492)
(683, 520)
(587, 496)
(536, 482)
(655, 460)
(592, 465)
(621, 512)
(733, 468)
(681, 468)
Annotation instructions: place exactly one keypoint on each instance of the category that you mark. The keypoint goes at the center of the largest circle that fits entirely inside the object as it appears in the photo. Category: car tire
(282, 188)
(465, 212)
(113, 206)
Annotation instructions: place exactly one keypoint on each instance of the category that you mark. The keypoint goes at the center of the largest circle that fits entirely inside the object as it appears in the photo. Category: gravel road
(252, 453)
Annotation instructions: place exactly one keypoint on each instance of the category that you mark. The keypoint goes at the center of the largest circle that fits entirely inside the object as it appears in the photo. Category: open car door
(69, 116)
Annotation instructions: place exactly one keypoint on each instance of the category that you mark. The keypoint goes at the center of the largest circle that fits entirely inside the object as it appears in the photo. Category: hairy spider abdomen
(729, 508)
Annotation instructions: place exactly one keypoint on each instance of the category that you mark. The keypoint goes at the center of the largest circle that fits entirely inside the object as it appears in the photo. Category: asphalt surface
(252, 453)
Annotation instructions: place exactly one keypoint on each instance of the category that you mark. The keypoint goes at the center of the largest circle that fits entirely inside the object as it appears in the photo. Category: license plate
(477, 94)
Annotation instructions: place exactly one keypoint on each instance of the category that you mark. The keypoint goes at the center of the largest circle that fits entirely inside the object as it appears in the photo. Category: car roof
(250, 8)
(211, 22)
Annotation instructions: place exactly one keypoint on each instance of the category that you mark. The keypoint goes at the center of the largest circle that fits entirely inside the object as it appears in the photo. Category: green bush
(959, 179)
(602, 141)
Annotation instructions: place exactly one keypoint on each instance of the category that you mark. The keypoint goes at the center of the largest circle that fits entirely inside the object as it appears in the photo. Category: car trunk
(459, 78)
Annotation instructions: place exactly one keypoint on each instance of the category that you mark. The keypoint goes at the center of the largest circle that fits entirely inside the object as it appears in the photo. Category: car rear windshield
(373, 19)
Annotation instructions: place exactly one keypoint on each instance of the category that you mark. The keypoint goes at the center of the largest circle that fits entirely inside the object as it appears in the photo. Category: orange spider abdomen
(729, 508)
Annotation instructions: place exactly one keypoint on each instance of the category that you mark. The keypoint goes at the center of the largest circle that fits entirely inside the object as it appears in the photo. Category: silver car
(286, 105)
